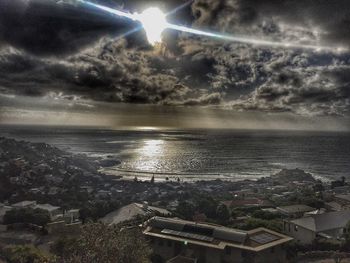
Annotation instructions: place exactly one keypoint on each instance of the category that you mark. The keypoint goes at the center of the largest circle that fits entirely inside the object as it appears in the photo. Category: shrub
(32, 216)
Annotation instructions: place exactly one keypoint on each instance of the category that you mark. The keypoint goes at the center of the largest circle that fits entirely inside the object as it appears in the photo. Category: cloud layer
(73, 53)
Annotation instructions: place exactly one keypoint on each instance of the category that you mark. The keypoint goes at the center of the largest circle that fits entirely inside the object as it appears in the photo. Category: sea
(200, 154)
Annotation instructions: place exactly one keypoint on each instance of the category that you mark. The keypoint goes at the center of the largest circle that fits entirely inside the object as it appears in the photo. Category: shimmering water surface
(203, 154)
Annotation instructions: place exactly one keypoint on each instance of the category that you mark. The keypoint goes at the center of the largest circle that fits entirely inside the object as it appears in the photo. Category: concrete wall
(168, 250)
(338, 232)
(276, 254)
(301, 235)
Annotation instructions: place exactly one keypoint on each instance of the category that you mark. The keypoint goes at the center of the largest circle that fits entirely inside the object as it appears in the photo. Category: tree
(253, 223)
(63, 246)
(222, 213)
(207, 205)
(318, 187)
(347, 235)
(186, 210)
(26, 254)
(265, 215)
(31, 216)
(100, 243)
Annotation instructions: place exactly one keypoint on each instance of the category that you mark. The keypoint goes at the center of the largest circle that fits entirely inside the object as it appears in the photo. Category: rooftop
(246, 202)
(24, 204)
(344, 197)
(324, 222)
(181, 259)
(213, 236)
(290, 209)
(130, 211)
(47, 207)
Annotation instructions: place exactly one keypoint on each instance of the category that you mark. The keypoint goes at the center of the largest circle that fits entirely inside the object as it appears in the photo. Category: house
(3, 210)
(53, 211)
(244, 193)
(171, 238)
(341, 189)
(251, 202)
(131, 211)
(307, 229)
(24, 204)
(333, 206)
(344, 200)
(294, 211)
(71, 216)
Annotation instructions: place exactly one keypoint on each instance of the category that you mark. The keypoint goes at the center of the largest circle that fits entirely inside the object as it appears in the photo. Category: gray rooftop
(213, 236)
(219, 232)
(47, 207)
(24, 204)
(324, 222)
(344, 197)
(296, 209)
(130, 211)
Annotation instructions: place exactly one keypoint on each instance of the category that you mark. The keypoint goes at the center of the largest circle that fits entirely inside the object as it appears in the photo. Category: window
(169, 243)
(161, 242)
(228, 250)
(273, 250)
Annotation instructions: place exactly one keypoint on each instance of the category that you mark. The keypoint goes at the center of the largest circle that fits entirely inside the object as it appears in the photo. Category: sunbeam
(154, 23)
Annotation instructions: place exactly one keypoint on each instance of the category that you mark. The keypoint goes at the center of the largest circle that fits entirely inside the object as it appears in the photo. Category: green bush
(26, 254)
(265, 215)
(252, 223)
(101, 243)
(32, 216)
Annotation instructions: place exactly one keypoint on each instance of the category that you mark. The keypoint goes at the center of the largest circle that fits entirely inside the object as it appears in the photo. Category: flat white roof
(213, 236)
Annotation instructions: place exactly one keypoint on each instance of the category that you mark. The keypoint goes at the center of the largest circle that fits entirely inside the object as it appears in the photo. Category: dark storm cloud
(68, 52)
(244, 15)
(46, 28)
(108, 72)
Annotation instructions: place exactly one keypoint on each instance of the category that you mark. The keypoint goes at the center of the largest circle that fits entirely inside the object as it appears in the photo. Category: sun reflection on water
(149, 155)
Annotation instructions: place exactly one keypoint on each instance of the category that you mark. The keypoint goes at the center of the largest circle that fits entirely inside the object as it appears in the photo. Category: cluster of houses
(175, 240)
(307, 226)
(56, 214)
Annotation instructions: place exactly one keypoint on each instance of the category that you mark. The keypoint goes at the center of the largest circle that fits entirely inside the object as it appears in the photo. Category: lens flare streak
(154, 36)
(110, 10)
(247, 40)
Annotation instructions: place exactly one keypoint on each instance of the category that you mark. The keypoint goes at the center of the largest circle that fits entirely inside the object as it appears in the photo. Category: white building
(72, 216)
(328, 225)
(53, 211)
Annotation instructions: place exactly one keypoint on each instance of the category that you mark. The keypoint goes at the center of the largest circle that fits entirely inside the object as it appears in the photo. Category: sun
(154, 22)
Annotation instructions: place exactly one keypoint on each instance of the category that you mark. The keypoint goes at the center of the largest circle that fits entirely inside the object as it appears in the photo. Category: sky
(67, 64)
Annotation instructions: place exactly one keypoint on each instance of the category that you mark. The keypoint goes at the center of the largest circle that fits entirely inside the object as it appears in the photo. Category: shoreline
(129, 175)
(144, 176)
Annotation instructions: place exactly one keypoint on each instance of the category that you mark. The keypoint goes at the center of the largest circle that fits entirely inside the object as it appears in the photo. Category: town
(52, 200)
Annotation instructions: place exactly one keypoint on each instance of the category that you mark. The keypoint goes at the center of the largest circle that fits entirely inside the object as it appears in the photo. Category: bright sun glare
(154, 23)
